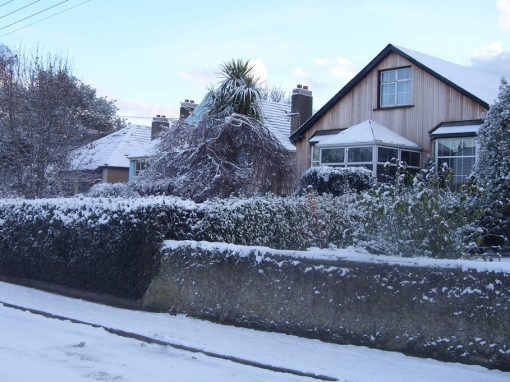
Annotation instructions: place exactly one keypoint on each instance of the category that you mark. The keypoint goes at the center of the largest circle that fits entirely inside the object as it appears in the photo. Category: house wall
(433, 102)
(115, 175)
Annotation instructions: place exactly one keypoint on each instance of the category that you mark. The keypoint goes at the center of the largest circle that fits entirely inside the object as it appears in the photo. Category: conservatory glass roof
(368, 132)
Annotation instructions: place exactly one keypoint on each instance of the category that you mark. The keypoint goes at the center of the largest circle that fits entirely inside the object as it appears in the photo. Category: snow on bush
(337, 180)
(112, 245)
(284, 223)
(420, 216)
(101, 245)
(492, 169)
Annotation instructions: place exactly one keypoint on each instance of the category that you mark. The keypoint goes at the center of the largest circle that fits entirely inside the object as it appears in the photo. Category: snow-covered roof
(457, 129)
(483, 85)
(148, 150)
(112, 150)
(321, 138)
(368, 132)
(277, 120)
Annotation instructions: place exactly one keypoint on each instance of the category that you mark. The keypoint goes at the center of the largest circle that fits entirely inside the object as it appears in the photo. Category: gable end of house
(299, 133)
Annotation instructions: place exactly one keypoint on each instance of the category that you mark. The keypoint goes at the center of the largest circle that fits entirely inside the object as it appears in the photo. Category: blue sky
(150, 55)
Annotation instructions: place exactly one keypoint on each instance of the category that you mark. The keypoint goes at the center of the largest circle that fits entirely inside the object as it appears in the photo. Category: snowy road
(35, 348)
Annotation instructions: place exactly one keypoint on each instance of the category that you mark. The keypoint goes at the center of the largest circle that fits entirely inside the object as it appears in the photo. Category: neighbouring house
(402, 105)
(106, 158)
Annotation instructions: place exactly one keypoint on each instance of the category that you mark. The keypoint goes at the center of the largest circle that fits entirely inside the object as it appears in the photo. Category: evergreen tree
(493, 167)
(238, 92)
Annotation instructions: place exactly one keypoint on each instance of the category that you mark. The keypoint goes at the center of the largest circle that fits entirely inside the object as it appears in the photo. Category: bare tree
(45, 112)
(274, 94)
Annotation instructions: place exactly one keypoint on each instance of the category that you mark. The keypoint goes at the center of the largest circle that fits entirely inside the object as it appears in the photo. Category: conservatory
(368, 144)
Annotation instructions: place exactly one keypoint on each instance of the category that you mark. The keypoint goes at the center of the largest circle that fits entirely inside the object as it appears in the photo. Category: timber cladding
(432, 102)
(443, 313)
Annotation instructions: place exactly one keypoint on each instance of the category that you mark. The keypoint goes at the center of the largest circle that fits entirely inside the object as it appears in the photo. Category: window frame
(140, 165)
(380, 84)
(457, 179)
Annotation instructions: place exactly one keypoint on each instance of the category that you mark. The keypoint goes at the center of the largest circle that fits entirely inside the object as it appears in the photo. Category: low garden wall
(444, 309)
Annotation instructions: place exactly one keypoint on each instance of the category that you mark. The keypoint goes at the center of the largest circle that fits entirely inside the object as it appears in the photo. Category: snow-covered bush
(285, 223)
(337, 180)
(419, 216)
(492, 169)
(101, 245)
(109, 190)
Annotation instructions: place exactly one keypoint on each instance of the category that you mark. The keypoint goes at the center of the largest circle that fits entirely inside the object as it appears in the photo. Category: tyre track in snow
(155, 341)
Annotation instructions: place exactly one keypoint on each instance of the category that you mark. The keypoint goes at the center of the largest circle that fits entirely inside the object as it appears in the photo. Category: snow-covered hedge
(110, 245)
(337, 180)
(283, 223)
(101, 245)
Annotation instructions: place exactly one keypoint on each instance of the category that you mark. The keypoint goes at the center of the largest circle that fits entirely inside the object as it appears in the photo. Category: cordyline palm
(239, 91)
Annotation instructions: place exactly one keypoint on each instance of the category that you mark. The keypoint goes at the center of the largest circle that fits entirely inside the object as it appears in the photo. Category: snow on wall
(431, 309)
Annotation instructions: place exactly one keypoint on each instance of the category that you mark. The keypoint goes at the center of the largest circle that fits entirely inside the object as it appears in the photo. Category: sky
(151, 55)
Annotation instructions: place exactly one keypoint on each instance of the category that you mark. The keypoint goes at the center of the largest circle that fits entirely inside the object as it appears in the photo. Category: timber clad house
(403, 105)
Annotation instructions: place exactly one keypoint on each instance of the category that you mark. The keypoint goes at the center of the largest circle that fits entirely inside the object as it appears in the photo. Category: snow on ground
(37, 348)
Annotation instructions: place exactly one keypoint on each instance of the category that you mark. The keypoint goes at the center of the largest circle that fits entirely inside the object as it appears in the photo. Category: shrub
(100, 245)
(420, 216)
(337, 180)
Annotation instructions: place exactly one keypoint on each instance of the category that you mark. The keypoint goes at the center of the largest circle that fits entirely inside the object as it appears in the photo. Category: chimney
(187, 108)
(159, 122)
(301, 106)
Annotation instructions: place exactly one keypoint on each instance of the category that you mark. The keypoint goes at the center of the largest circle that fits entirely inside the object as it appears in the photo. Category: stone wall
(446, 313)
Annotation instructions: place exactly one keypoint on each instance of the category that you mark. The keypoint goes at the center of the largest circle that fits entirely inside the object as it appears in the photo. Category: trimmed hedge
(282, 223)
(111, 245)
(98, 245)
(337, 180)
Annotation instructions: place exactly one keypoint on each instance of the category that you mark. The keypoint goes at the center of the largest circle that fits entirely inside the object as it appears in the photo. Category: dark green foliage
(336, 181)
(492, 170)
(104, 250)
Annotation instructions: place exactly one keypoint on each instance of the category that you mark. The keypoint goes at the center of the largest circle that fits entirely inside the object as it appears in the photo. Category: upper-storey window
(395, 87)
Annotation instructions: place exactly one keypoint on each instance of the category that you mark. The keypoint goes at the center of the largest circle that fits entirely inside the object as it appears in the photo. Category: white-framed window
(387, 161)
(140, 165)
(361, 156)
(316, 156)
(380, 159)
(459, 154)
(395, 87)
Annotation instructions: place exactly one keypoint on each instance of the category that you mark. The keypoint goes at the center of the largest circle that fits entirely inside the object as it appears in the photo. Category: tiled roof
(112, 150)
(277, 120)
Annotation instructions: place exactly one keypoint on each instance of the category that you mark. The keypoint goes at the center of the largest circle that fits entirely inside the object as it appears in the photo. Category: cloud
(493, 58)
(322, 62)
(343, 68)
(300, 72)
(201, 77)
(260, 69)
(504, 18)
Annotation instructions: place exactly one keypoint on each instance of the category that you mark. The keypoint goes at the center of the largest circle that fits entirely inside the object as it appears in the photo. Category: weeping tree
(227, 152)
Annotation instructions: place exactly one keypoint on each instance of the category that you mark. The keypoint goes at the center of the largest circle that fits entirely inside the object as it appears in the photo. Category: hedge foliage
(111, 245)
(337, 180)
(98, 245)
